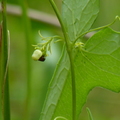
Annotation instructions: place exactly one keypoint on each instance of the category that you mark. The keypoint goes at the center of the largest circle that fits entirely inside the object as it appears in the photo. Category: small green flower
(43, 48)
(79, 45)
(37, 54)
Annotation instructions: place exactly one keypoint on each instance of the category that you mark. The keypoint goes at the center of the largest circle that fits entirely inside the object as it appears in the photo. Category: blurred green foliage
(104, 104)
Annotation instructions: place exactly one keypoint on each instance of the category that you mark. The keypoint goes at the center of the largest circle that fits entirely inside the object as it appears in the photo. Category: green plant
(5, 61)
(82, 66)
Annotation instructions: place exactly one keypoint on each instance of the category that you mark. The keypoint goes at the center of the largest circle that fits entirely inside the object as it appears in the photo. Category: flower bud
(36, 55)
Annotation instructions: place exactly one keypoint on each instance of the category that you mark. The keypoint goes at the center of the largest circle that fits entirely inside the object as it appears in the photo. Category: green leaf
(78, 16)
(98, 65)
(93, 67)
(55, 87)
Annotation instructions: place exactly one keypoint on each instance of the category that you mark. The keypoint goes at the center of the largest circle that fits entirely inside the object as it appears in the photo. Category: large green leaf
(55, 87)
(78, 16)
(98, 65)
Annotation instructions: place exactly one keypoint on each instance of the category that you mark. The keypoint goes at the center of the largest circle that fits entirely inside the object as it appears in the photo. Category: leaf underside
(97, 65)
(74, 14)
(78, 16)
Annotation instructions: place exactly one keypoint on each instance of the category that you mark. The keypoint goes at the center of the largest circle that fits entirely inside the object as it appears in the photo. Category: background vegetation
(104, 104)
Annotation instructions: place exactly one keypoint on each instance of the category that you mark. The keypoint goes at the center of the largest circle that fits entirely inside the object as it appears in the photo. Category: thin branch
(37, 16)
(33, 14)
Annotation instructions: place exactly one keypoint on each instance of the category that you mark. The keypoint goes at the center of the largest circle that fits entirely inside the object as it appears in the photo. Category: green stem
(89, 114)
(0, 69)
(5, 59)
(102, 27)
(61, 23)
(73, 86)
(69, 50)
(27, 30)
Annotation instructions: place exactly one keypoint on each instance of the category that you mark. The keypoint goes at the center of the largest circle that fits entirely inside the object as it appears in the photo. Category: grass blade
(5, 60)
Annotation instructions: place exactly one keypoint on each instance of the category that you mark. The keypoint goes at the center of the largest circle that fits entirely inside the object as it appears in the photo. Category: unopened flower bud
(36, 55)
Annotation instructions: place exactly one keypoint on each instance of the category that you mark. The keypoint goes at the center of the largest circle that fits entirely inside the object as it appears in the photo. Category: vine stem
(102, 27)
(69, 47)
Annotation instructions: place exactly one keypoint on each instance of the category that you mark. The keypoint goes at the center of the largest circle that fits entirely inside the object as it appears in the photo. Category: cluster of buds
(41, 49)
